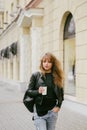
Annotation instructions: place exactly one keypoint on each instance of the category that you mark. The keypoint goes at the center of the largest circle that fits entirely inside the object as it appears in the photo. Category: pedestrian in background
(46, 88)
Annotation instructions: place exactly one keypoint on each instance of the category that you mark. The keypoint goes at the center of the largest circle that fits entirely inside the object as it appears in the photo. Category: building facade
(29, 28)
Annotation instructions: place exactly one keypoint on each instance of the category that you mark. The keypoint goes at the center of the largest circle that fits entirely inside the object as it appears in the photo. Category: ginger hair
(57, 71)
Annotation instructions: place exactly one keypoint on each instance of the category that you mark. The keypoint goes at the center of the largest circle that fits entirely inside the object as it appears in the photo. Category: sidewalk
(73, 116)
(14, 115)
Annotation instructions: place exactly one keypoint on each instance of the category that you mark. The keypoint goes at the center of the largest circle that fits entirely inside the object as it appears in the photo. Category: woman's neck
(48, 71)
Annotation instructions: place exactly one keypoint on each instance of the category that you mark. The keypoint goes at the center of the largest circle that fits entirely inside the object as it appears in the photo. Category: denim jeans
(46, 122)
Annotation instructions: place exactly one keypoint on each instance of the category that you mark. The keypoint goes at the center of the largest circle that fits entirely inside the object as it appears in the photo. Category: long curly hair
(57, 71)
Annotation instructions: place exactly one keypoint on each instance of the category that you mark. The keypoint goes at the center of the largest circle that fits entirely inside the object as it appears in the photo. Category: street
(14, 115)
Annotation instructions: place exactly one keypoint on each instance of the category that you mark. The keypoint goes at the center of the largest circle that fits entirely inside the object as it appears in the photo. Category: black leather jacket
(37, 80)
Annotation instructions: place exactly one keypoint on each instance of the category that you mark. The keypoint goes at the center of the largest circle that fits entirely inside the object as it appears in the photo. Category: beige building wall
(6, 39)
(54, 12)
(49, 37)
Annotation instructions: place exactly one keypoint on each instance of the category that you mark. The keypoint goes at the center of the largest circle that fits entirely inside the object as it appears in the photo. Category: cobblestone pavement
(14, 115)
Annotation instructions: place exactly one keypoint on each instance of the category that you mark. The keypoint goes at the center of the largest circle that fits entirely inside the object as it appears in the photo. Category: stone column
(25, 57)
(15, 69)
(5, 68)
(2, 67)
(36, 38)
(9, 69)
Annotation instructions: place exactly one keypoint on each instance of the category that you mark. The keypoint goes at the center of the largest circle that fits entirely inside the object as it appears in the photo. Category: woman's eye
(44, 61)
(47, 61)
(50, 62)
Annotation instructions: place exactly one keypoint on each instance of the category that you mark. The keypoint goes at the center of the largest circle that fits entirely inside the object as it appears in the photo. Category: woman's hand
(41, 89)
(56, 109)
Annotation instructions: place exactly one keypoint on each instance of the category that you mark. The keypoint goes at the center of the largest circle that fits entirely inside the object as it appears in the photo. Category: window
(69, 29)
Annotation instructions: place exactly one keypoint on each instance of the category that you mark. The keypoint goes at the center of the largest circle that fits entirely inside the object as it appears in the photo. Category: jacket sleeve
(32, 91)
(60, 97)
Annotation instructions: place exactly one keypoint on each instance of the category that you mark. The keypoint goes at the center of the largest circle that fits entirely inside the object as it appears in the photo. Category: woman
(47, 105)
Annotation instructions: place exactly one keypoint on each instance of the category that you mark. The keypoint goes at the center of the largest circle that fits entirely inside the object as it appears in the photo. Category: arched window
(69, 29)
(69, 55)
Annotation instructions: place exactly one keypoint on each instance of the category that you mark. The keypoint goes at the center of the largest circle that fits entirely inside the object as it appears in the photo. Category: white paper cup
(45, 90)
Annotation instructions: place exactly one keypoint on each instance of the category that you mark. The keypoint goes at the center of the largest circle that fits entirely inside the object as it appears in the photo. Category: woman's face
(47, 65)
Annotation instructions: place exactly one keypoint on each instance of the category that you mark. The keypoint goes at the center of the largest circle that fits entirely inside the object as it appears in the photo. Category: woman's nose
(46, 63)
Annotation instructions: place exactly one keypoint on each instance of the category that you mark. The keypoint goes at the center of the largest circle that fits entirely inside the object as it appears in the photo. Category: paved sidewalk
(73, 116)
(14, 115)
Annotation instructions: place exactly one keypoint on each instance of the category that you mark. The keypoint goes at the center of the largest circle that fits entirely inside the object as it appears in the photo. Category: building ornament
(25, 17)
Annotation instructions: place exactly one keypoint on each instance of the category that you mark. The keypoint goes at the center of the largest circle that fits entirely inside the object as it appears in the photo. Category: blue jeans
(46, 122)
